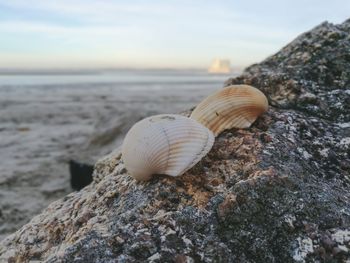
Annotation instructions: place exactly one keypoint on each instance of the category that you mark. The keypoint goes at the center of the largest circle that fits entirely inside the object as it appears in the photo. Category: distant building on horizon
(220, 66)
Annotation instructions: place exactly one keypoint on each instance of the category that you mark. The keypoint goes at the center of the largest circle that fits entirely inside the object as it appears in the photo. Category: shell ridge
(233, 117)
(152, 152)
(157, 153)
(224, 109)
(204, 149)
(186, 155)
(168, 152)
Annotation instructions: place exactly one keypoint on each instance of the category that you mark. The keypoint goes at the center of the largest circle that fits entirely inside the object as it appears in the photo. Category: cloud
(107, 11)
(140, 32)
(163, 20)
(45, 28)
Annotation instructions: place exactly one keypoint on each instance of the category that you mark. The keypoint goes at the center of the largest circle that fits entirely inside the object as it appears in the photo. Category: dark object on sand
(80, 174)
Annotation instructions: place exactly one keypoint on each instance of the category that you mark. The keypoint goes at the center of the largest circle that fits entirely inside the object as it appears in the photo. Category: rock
(310, 74)
(276, 192)
(80, 174)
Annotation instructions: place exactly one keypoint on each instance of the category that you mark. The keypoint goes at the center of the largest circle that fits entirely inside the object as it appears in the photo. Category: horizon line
(96, 69)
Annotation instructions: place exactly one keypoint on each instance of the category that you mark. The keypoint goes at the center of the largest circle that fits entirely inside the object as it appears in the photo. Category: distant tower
(221, 66)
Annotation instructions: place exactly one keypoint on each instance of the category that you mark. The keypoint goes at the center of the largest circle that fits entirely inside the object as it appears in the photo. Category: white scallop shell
(165, 144)
(234, 106)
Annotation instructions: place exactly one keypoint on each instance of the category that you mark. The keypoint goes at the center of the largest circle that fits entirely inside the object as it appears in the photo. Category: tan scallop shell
(234, 106)
(165, 144)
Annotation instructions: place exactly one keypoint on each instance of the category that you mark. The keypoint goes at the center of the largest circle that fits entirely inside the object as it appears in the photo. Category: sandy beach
(47, 120)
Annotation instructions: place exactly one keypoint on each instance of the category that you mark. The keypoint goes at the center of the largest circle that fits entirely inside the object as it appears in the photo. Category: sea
(131, 79)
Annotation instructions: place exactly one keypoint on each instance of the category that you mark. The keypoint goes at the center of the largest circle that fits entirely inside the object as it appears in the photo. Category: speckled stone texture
(276, 192)
(311, 74)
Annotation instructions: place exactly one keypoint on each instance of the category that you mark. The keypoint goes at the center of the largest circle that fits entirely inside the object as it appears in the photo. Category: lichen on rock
(276, 192)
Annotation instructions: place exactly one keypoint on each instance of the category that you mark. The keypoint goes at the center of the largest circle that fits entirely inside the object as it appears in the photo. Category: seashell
(234, 106)
(165, 144)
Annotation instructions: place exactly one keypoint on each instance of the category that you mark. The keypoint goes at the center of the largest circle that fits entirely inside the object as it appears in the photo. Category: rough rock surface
(276, 192)
(310, 74)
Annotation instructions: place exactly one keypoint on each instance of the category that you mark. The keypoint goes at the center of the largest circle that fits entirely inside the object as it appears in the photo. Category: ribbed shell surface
(234, 106)
(165, 144)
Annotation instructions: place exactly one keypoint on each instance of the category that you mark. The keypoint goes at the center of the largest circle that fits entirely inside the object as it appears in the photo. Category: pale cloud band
(157, 34)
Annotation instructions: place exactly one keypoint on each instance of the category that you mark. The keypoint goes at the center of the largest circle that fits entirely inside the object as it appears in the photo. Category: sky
(153, 34)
